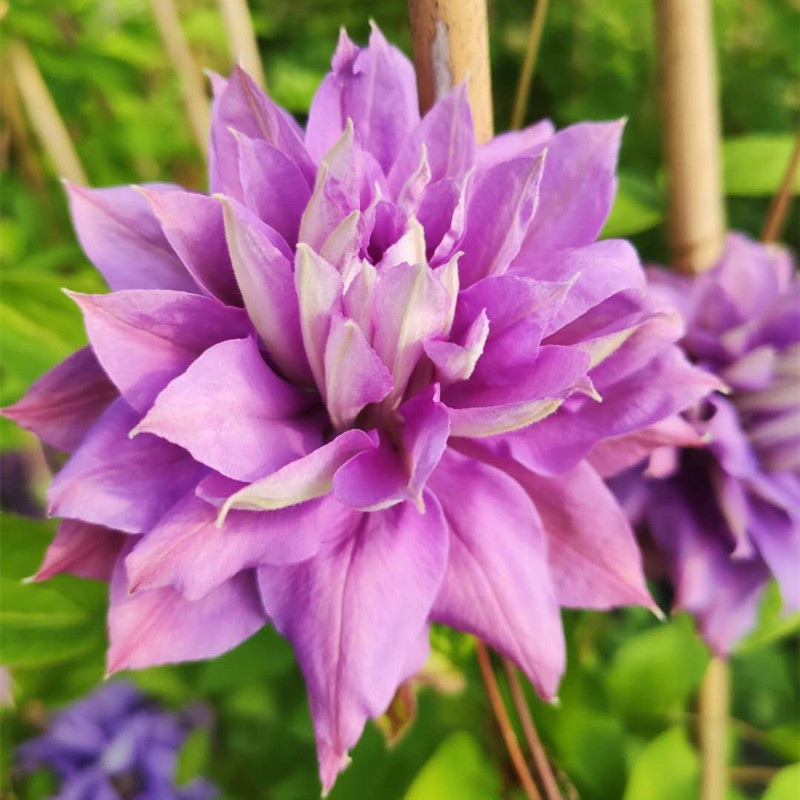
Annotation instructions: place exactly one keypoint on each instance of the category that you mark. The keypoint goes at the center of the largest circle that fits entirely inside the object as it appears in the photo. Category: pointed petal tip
(332, 763)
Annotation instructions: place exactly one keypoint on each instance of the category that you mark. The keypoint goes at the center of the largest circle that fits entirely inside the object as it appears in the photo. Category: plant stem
(504, 723)
(191, 80)
(529, 64)
(241, 38)
(714, 693)
(44, 116)
(535, 746)
(451, 45)
(691, 132)
(780, 203)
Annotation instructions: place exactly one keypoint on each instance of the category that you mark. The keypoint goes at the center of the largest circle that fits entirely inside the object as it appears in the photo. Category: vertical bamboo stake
(242, 39)
(691, 132)
(191, 79)
(451, 44)
(529, 64)
(696, 217)
(45, 119)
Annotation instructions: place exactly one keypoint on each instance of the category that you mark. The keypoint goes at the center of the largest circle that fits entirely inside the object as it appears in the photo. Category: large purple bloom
(352, 392)
(114, 745)
(727, 517)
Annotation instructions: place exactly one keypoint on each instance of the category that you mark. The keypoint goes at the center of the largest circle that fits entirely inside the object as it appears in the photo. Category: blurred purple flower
(727, 517)
(353, 391)
(113, 745)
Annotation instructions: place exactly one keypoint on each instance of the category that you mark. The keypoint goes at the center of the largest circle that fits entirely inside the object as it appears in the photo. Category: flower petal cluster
(352, 391)
(726, 517)
(113, 745)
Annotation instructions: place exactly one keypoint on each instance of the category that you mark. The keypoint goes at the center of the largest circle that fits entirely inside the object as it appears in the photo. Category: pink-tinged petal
(192, 224)
(273, 186)
(379, 478)
(262, 265)
(721, 592)
(143, 339)
(82, 549)
(354, 374)
(515, 400)
(234, 414)
(498, 585)
(577, 188)
(594, 559)
(663, 387)
(319, 292)
(162, 627)
(357, 299)
(243, 107)
(304, 479)
(454, 361)
(65, 402)
(354, 614)
(124, 240)
(594, 273)
(447, 133)
(502, 203)
(376, 88)
(122, 483)
(515, 144)
(612, 456)
(411, 305)
(187, 551)
(442, 212)
(752, 372)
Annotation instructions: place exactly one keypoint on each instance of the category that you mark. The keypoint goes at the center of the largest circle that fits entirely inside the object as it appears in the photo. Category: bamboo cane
(241, 38)
(691, 132)
(451, 44)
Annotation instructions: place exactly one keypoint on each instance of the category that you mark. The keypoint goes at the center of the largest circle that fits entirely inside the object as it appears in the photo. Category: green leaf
(755, 164)
(667, 769)
(773, 623)
(638, 206)
(23, 542)
(193, 757)
(785, 785)
(655, 672)
(39, 626)
(458, 770)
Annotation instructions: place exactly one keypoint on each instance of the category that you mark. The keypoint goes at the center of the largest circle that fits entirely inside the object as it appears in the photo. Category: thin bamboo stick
(691, 132)
(451, 44)
(504, 723)
(529, 64)
(44, 115)
(714, 694)
(242, 39)
(780, 203)
(191, 79)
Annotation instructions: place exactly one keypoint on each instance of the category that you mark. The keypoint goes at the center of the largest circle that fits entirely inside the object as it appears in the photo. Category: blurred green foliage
(625, 726)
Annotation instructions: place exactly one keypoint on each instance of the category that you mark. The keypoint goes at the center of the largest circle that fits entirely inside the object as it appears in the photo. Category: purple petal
(273, 186)
(233, 413)
(447, 134)
(354, 374)
(456, 362)
(187, 551)
(594, 559)
(377, 89)
(577, 188)
(82, 549)
(502, 204)
(262, 264)
(123, 238)
(65, 402)
(162, 627)
(122, 483)
(515, 144)
(144, 339)
(304, 479)
(192, 224)
(354, 614)
(498, 586)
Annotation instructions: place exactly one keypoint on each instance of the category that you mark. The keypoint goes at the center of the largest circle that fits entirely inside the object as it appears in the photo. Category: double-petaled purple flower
(352, 393)
(726, 516)
(114, 745)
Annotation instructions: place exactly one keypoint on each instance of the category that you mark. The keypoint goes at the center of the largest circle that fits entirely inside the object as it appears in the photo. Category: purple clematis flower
(114, 745)
(726, 518)
(352, 392)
